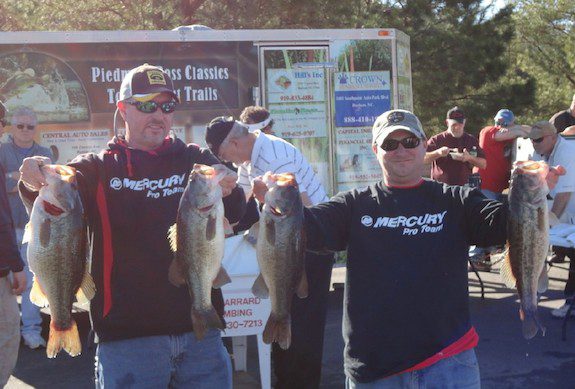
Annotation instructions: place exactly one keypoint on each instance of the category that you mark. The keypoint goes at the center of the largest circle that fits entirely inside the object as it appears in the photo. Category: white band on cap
(258, 126)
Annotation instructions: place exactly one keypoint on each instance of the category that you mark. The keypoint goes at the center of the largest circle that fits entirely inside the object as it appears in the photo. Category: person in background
(3, 135)
(563, 119)
(257, 118)
(496, 141)
(256, 153)
(406, 316)
(453, 153)
(130, 193)
(21, 145)
(12, 283)
(554, 149)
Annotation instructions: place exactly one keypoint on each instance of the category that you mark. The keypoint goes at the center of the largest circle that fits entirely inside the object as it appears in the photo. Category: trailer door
(295, 89)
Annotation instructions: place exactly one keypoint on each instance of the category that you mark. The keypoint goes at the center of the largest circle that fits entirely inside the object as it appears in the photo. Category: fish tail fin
(531, 324)
(37, 295)
(68, 339)
(278, 330)
(204, 320)
(87, 289)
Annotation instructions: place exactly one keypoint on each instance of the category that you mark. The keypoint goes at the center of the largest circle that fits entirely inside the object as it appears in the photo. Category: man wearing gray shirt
(21, 145)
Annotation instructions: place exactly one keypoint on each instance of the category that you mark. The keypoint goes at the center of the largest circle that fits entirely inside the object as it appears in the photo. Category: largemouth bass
(197, 239)
(280, 252)
(528, 240)
(56, 236)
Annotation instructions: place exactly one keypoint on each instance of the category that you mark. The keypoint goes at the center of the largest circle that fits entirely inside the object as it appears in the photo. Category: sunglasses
(538, 140)
(28, 127)
(152, 106)
(407, 143)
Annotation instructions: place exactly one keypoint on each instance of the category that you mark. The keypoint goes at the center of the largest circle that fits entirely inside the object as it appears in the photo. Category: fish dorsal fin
(87, 289)
(37, 295)
(543, 282)
(222, 278)
(27, 233)
(506, 273)
(173, 237)
(260, 289)
(303, 287)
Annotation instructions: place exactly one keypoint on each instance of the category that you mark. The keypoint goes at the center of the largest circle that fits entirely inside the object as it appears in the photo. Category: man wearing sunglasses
(22, 145)
(406, 306)
(130, 193)
(453, 153)
(555, 149)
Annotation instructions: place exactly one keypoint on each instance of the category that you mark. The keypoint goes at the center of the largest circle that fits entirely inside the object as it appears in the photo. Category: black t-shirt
(406, 295)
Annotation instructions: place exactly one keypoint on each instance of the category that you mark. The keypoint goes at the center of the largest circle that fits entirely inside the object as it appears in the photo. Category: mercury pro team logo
(155, 187)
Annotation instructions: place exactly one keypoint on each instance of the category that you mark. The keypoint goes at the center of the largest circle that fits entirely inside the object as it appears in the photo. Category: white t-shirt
(564, 154)
(274, 154)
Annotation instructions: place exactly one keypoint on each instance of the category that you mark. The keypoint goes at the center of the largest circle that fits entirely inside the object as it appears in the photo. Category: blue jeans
(460, 371)
(31, 317)
(176, 361)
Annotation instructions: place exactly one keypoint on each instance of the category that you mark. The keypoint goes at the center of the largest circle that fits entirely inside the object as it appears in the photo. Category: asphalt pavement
(506, 359)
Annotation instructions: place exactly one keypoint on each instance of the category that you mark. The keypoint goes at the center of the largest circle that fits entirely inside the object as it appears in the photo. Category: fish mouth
(276, 211)
(206, 208)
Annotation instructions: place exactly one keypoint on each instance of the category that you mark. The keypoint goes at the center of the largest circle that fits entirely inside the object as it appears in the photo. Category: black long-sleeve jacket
(131, 198)
(10, 259)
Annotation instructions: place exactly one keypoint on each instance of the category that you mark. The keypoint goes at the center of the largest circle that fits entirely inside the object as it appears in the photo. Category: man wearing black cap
(406, 305)
(563, 119)
(453, 153)
(256, 153)
(130, 193)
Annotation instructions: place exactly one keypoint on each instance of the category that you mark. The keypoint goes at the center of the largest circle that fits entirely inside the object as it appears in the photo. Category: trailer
(324, 88)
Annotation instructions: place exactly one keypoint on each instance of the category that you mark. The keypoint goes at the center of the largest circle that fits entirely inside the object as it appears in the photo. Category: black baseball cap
(456, 114)
(218, 130)
(145, 82)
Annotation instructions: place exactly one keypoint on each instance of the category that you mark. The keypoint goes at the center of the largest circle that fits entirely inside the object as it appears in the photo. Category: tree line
(463, 52)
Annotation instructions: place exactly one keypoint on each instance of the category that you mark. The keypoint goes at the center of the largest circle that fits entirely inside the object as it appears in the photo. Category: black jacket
(131, 199)
(10, 259)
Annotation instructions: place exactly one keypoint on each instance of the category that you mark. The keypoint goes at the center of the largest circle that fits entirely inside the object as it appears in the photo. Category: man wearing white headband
(257, 118)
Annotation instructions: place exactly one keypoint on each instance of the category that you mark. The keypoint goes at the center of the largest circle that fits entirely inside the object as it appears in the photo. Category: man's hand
(30, 172)
(442, 151)
(18, 282)
(553, 175)
(259, 187)
(228, 183)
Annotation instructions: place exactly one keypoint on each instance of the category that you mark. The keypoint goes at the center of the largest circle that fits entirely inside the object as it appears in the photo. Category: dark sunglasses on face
(152, 106)
(538, 140)
(28, 127)
(410, 142)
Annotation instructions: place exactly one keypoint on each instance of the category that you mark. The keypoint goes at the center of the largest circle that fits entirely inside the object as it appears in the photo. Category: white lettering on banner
(160, 187)
(411, 225)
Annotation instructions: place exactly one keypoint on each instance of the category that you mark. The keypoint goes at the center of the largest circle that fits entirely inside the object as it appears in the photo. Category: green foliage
(545, 48)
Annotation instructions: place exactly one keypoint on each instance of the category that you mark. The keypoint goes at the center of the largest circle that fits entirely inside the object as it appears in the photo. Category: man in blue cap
(496, 142)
